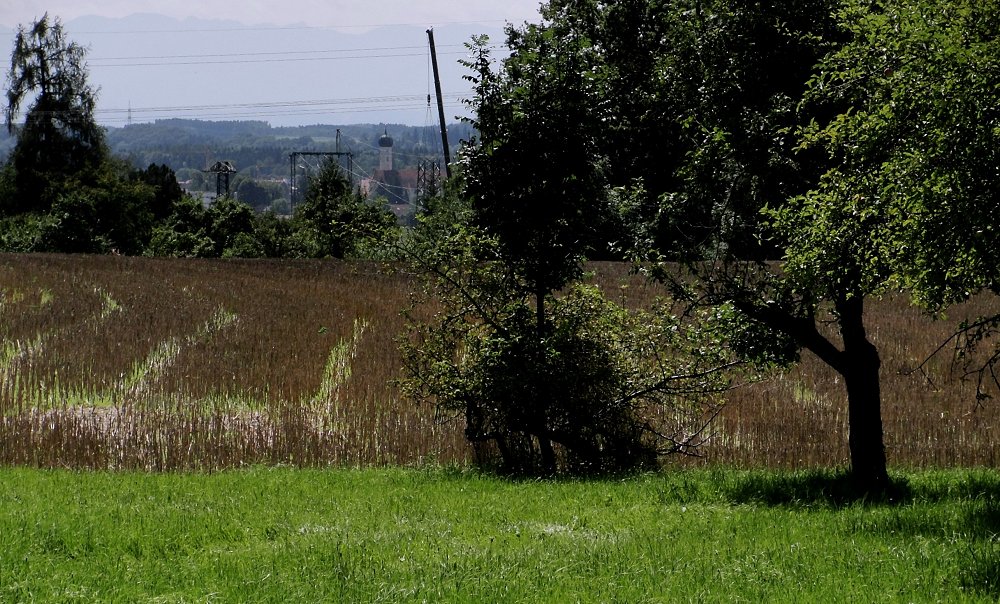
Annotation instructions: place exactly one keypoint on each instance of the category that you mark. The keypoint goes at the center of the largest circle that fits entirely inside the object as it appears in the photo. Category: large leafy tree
(917, 154)
(898, 153)
(548, 371)
(59, 137)
(912, 199)
(696, 104)
(533, 181)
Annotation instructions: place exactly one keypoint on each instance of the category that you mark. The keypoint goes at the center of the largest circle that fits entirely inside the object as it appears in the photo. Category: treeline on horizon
(260, 150)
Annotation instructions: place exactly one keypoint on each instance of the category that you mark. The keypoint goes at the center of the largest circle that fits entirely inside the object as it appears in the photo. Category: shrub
(596, 389)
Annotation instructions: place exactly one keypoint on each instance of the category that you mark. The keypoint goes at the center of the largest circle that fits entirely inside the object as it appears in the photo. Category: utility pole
(437, 89)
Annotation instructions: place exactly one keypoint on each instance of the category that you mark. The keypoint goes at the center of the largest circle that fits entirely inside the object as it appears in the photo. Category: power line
(397, 103)
(250, 61)
(255, 115)
(279, 104)
(295, 103)
(213, 30)
(254, 54)
(223, 112)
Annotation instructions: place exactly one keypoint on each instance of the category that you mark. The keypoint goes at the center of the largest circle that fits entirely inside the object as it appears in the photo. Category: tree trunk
(858, 362)
(859, 366)
(545, 447)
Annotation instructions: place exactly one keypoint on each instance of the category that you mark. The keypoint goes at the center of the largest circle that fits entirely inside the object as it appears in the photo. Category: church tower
(385, 152)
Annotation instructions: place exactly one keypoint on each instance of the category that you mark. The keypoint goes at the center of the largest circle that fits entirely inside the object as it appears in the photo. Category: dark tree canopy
(167, 191)
(532, 174)
(544, 369)
(47, 82)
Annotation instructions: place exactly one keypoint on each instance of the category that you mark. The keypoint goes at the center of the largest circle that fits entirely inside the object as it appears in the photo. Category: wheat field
(161, 364)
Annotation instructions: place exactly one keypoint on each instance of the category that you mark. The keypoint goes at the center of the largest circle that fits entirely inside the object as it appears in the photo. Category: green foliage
(258, 195)
(231, 225)
(167, 191)
(533, 175)
(185, 233)
(334, 221)
(70, 226)
(227, 229)
(21, 233)
(913, 193)
(748, 65)
(692, 105)
(272, 234)
(900, 116)
(166, 242)
(911, 198)
(110, 215)
(601, 389)
(866, 132)
(59, 137)
(548, 372)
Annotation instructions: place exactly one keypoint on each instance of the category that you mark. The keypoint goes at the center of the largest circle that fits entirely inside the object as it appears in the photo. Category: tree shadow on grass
(979, 570)
(964, 506)
(834, 488)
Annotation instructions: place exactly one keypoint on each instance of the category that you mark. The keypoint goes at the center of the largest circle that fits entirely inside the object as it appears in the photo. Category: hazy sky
(288, 63)
(325, 13)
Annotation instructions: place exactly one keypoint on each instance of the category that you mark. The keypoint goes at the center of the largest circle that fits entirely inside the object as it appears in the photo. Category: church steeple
(385, 152)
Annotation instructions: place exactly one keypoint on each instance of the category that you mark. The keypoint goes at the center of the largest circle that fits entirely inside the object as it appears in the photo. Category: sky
(325, 13)
(287, 63)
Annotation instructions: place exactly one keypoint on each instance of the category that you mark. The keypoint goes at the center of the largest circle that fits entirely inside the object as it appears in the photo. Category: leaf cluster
(911, 198)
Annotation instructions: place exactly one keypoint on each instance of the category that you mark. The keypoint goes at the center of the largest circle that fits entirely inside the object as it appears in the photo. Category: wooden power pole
(437, 89)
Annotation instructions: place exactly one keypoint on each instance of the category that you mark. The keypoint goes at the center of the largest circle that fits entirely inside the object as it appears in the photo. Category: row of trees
(61, 189)
(775, 164)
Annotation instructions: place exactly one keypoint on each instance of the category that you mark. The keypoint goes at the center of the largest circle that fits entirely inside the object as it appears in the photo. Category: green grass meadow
(448, 535)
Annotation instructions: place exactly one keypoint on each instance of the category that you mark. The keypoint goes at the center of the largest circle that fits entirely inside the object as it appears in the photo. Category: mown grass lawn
(410, 535)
